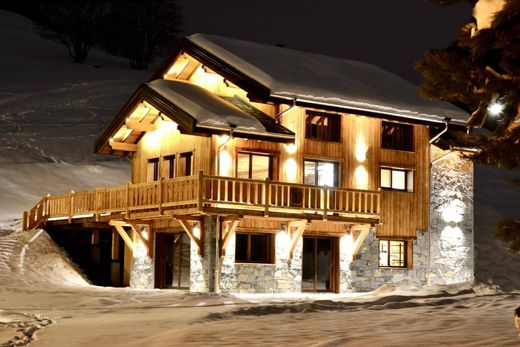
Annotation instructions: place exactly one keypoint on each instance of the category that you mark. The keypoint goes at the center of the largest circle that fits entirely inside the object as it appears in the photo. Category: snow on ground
(44, 300)
(51, 110)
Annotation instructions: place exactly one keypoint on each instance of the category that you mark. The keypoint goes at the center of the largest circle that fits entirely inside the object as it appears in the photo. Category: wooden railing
(196, 193)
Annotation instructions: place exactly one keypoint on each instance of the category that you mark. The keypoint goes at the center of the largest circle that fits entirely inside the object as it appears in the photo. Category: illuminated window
(397, 136)
(254, 248)
(397, 179)
(185, 164)
(152, 170)
(323, 126)
(321, 173)
(392, 253)
(254, 166)
(169, 166)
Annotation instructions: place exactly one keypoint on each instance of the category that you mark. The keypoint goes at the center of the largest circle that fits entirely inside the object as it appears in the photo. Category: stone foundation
(141, 268)
(284, 276)
(443, 255)
(364, 274)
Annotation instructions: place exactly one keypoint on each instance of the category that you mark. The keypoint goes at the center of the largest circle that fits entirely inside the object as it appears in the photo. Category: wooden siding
(359, 155)
(163, 144)
(402, 212)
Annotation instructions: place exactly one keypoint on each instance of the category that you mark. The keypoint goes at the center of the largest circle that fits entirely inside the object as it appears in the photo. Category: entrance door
(318, 264)
(172, 261)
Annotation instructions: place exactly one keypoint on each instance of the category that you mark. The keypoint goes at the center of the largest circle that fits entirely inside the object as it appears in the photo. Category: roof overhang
(262, 93)
(195, 111)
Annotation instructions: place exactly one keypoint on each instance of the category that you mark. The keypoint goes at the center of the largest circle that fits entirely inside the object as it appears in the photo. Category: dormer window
(323, 126)
(397, 136)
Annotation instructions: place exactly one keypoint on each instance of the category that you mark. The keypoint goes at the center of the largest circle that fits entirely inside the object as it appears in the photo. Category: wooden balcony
(203, 194)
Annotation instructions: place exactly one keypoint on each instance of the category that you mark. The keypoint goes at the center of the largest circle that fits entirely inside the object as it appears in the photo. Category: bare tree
(73, 24)
(142, 30)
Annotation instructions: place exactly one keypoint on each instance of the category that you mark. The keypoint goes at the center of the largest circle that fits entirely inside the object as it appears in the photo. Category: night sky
(390, 33)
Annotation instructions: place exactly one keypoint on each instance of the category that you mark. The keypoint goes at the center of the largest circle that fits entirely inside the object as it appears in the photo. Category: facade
(262, 169)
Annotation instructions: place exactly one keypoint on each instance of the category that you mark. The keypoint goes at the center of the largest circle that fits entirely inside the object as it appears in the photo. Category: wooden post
(24, 221)
(71, 205)
(200, 190)
(267, 196)
(127, 198)
(160, 195)
(96, 205)
(325, 202)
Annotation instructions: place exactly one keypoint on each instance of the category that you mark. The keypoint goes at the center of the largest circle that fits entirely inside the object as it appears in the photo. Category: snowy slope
(51, 111)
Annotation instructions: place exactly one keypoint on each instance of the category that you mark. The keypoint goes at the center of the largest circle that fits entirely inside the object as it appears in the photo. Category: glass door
(317, 264)
(172, 261)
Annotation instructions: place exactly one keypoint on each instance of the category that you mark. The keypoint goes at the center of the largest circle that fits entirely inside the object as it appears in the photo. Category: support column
(451, 220)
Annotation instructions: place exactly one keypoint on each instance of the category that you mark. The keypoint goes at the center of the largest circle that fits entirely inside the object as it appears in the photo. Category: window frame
(156, 176)
(337, 170)
(270, 248)
(331, 132)
(404, 254)
(408, 137)
(407, 188)
(271, 156)
(171, 161)
(189, 162)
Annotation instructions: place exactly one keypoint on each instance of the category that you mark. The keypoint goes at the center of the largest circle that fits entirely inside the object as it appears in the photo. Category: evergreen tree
(480, 73)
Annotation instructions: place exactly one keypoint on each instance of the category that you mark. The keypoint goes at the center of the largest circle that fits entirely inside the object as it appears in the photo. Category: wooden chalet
(255, 168)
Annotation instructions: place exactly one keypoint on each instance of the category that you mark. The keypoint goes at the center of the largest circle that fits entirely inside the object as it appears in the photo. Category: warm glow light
(361, 149)
(290, 170)
(453, 212)
(196, 230)
(145, 234)
(282, 240)
(346, 244)
(222, 139)
(290, 148)
(496, 108)
(225, 161)
(361, 177)
(152, 139)
(176, 68)
(452, 235)
(166, 125)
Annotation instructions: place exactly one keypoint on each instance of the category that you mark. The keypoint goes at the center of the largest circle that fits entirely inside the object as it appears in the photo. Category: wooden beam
(227, 232)
(121, 146)
(138, 126)
(188, 218)
(364, 228)
(147, 241)
(118, 225)
(295, 236)
(188, 70)
(188, 228)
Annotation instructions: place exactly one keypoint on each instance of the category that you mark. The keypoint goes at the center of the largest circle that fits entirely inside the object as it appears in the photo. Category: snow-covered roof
(196, 111)
(213, 112)
(326, 81)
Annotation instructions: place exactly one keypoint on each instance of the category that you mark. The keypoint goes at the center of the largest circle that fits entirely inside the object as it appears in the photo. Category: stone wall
(202, 268)
(141, 268)
(284, 276)
(364, 274)
(451, 220)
